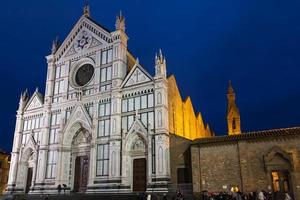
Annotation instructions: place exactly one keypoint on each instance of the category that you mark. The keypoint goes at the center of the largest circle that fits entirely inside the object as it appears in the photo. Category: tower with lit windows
(233, 113)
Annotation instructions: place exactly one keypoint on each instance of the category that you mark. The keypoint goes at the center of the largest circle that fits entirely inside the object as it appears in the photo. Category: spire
(160, 64)
(233, 114)
(54, 45)
(230, 93)
(120, 22)
(230, 88)
(25, 95)
(86, 10)
(23, 99)
(159, 59)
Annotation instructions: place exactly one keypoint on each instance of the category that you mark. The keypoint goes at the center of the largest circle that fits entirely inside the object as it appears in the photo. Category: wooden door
(139, 175)
(81, 174)
(85, 173)
(29, 179)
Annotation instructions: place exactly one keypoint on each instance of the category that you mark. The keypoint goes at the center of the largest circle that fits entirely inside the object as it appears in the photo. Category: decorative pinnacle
(54, 45)
(160, 59)
(24, 95)
(120, 22)
(86, 10)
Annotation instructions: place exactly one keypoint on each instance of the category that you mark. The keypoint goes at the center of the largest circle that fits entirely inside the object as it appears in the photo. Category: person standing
(287, 196)
(260, 195)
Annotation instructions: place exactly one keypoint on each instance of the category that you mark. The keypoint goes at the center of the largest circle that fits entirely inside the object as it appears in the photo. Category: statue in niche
(139, 144)
(81, 137)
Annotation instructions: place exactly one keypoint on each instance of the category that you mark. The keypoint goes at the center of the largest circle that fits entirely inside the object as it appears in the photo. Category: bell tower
(233, 113)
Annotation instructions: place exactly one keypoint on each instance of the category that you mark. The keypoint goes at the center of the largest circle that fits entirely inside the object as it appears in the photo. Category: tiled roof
(295, 131)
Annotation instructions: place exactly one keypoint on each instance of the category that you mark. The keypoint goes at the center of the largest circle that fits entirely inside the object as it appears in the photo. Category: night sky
(254, 43)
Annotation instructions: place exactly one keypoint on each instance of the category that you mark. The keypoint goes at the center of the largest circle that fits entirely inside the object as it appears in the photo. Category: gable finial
(86, 10)
(120, 22)
(160, 64)
(24, 96)
(159, 58)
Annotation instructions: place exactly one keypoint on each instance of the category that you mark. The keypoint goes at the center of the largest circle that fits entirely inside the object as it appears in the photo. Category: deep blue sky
(254, 43)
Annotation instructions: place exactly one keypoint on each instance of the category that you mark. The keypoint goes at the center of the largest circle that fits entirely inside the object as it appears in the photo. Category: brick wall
(241, 163)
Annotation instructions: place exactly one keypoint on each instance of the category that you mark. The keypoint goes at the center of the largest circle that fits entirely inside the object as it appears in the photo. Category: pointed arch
(159, 118)
(275, 154)
(160, 159)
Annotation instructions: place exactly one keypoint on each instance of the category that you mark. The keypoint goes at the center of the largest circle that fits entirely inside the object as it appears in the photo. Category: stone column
(15, 152)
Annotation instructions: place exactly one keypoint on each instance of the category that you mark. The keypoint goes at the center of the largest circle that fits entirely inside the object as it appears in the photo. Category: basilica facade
(104, 123)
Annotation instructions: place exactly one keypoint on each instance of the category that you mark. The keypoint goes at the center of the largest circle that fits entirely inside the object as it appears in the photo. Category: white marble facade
(111, 112)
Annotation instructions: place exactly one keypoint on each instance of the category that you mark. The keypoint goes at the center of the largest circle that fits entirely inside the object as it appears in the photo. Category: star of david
(82, 42)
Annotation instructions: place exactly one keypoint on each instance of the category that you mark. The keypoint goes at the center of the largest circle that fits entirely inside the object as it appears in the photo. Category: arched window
(113, 165)
(159, 98)
(159, 118)
(160, 160)
(114, 125)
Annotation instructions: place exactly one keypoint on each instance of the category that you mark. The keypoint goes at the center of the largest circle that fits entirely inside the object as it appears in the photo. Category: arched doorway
(80, 156)
(279, 165)
(138, 162)
(26, 171)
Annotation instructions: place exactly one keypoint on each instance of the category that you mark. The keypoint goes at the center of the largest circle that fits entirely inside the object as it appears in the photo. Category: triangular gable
(137, 126)
(137, 75)
(79, 114)
(35, 101)
(136, 132)
(31, 143)
(97, 35)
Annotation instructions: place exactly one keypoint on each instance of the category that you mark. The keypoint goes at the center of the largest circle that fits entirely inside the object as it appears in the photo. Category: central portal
(139, 175)
(81, 173)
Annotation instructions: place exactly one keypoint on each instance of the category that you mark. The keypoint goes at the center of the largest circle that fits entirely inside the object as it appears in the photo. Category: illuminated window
(233, 124)
(275, 181)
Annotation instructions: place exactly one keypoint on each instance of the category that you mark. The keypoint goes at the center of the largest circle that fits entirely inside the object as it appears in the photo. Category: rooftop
(282, 132)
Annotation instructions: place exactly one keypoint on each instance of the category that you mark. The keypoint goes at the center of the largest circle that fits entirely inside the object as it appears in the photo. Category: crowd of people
(259, 195)
(205, 195)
